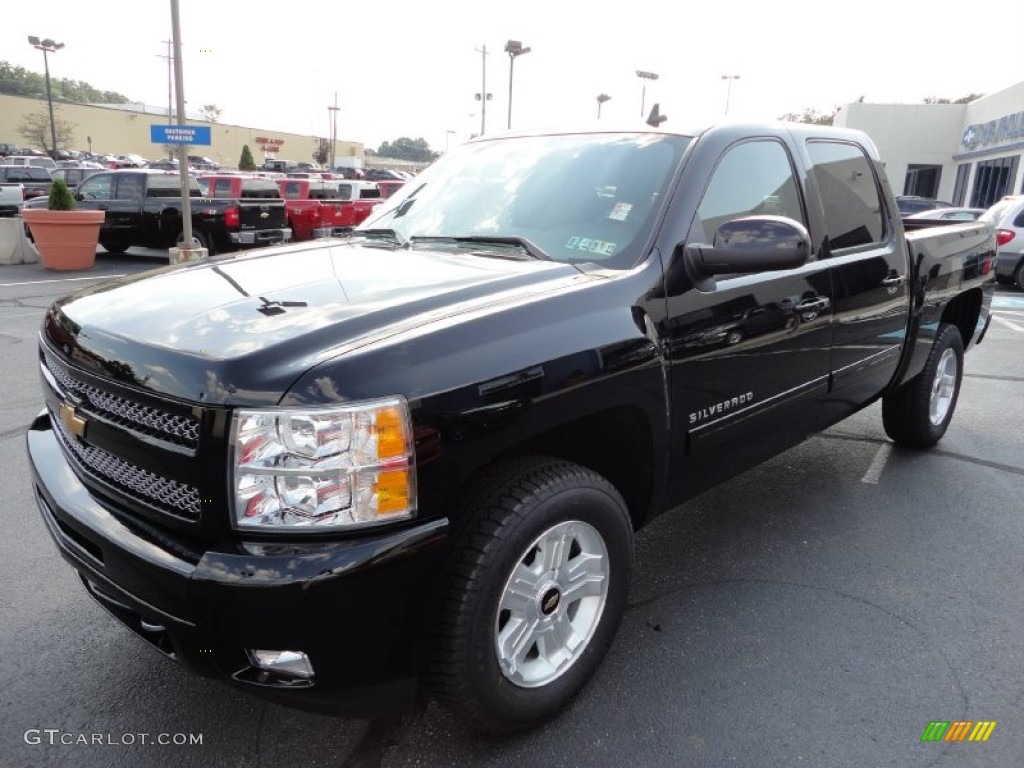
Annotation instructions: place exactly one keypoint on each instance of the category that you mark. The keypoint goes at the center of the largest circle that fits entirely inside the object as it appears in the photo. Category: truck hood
(241, 330)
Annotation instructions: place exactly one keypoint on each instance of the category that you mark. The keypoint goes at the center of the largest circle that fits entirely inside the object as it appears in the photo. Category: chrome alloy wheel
(551, 604)
(943, 387)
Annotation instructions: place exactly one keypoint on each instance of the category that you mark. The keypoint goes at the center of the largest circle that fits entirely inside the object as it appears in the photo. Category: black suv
(36, 180)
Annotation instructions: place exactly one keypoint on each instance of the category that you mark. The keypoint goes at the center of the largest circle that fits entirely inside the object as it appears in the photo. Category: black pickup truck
(144, 208)
(415, 457)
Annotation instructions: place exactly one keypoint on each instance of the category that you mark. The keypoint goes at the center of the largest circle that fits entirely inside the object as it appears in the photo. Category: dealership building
(967, 154)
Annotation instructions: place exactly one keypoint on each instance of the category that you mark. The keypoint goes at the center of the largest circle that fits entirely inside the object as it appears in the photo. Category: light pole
(601, 99)
(483, 97)
(644, 76)
(48, 46)
(170, 61)
(447, 136)
(728, 89)
(513, 48)
(334, 126)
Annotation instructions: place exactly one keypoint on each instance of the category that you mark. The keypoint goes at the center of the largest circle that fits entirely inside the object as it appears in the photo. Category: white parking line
(877, 464)
(1008, 324)
(60, 280)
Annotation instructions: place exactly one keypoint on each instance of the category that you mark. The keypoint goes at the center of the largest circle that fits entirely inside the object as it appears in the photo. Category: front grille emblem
(74, 423)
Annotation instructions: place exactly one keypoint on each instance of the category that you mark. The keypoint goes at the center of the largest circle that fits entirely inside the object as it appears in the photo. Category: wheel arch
(963, 312)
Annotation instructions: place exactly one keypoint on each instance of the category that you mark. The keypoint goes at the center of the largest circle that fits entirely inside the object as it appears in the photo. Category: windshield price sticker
(591, 246)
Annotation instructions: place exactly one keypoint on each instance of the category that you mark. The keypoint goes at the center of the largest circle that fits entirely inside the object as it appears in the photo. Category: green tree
(811, 116)
(962, 100)
(18, 81)
(35, 129)
(404, 148)
(246, 163)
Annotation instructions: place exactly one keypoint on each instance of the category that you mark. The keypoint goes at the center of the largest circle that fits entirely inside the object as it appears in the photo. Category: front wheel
(918, 413)
(114, 246)
(535, 590)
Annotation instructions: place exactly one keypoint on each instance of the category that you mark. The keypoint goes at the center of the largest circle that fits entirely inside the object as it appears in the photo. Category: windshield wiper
(530, 247)
(393, 235)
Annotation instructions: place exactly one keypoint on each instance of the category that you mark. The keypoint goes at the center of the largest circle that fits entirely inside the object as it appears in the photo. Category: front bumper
(353, 606)
(261, 236)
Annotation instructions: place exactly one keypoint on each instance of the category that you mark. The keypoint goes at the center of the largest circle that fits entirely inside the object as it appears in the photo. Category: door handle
(894, 281)
(812, 305)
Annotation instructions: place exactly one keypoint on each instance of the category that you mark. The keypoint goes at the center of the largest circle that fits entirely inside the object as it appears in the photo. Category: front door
(748, 353)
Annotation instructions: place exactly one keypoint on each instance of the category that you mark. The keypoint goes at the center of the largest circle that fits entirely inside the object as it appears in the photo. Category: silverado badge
(74, 423)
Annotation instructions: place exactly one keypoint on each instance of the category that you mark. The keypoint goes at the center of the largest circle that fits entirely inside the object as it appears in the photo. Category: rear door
(870, 270)
(124, 212)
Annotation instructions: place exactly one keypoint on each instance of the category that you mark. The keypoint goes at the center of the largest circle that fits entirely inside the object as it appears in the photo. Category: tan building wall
(119, 131)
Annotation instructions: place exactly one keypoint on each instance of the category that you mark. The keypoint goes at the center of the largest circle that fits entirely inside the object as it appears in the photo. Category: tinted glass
(97, 187)
(849, 194)
(578, 197)
(292, 190)
(260, 188)
(754, 178)
(222, 188)
(130, 187)
(323, 193)
(169, 185)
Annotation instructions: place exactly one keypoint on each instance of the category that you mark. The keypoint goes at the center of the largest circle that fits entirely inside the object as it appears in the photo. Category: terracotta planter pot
(65, 239)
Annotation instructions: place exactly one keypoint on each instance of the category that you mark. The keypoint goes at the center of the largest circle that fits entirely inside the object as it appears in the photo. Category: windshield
(578, 197)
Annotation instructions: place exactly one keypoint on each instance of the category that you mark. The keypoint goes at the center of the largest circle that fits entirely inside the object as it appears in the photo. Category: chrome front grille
(181, 430)
(167, 495)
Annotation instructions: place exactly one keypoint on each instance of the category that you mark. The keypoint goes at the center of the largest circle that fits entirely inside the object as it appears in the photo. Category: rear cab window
(849, 193)
(260, 189)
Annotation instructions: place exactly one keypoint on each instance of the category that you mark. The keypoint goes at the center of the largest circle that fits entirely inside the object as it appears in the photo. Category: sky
(413, 67)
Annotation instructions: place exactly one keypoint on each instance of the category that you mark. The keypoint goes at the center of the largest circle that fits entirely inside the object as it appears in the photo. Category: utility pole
(728, 89)
(334, 126)
(483, 96)
(183, 174)
(170, 80)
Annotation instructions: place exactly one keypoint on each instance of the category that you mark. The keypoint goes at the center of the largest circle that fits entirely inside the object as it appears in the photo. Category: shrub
(246, 163)
(60, 196)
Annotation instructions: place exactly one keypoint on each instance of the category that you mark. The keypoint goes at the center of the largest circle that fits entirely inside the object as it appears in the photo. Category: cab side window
(849, 194)
(129, 187)
(97, 188)
(751, 179)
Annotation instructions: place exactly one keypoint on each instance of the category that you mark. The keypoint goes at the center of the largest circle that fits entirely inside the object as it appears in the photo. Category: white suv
(1007, 216)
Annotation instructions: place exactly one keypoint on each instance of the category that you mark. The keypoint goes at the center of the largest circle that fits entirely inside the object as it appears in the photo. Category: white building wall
(998, 105)
(923, 134)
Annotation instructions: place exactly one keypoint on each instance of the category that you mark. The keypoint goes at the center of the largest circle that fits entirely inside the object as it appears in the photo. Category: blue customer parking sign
(180, 134)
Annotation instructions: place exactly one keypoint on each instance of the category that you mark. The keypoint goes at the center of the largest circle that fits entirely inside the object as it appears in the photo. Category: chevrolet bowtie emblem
(74, 423)
(264, 215)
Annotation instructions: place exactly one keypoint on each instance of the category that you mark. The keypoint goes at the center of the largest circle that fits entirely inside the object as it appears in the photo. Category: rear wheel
(918, 413)
(535, 590)
(202, 240)
(114, 246)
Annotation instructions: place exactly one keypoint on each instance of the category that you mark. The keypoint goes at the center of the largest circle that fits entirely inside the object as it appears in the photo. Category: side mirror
(752, 244)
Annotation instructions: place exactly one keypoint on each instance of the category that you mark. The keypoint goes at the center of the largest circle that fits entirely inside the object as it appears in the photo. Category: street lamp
(513, 48)
(48, 46)
(447, 136)
(728, 89)
(645, 76)
(601, 99)
(334, 126)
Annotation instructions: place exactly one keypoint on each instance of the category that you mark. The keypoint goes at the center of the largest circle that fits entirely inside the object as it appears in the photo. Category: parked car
(38, 161)
(343, 473)
(36, 181)
(11, 198)
(9, 149)
(321, 209)
(382, 174)
(388, 187)
(200, 163)
(908, 204)
(1007, 216)
(949, 214)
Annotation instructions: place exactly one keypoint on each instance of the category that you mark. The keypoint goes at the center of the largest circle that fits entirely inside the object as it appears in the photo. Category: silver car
(1007, 216)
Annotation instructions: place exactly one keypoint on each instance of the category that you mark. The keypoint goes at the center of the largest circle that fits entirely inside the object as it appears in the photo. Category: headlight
(322, 469)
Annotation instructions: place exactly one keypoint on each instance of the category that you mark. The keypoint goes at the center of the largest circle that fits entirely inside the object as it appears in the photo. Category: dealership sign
(994, 131)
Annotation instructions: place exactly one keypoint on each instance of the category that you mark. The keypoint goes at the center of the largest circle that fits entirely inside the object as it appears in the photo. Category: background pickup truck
(11, 198)
(144, 208)
(318, 209)
(418, 455)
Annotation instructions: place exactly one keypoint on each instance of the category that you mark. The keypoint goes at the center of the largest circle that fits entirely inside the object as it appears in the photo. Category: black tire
(114, 246)
(505, 520)
(1018, 276)
(203, 238)
(907, 412)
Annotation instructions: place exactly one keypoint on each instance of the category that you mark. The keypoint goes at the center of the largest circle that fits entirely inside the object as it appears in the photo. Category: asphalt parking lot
(819, 610)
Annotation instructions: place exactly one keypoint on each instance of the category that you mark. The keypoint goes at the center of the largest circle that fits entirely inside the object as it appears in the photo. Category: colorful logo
(958, 730)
